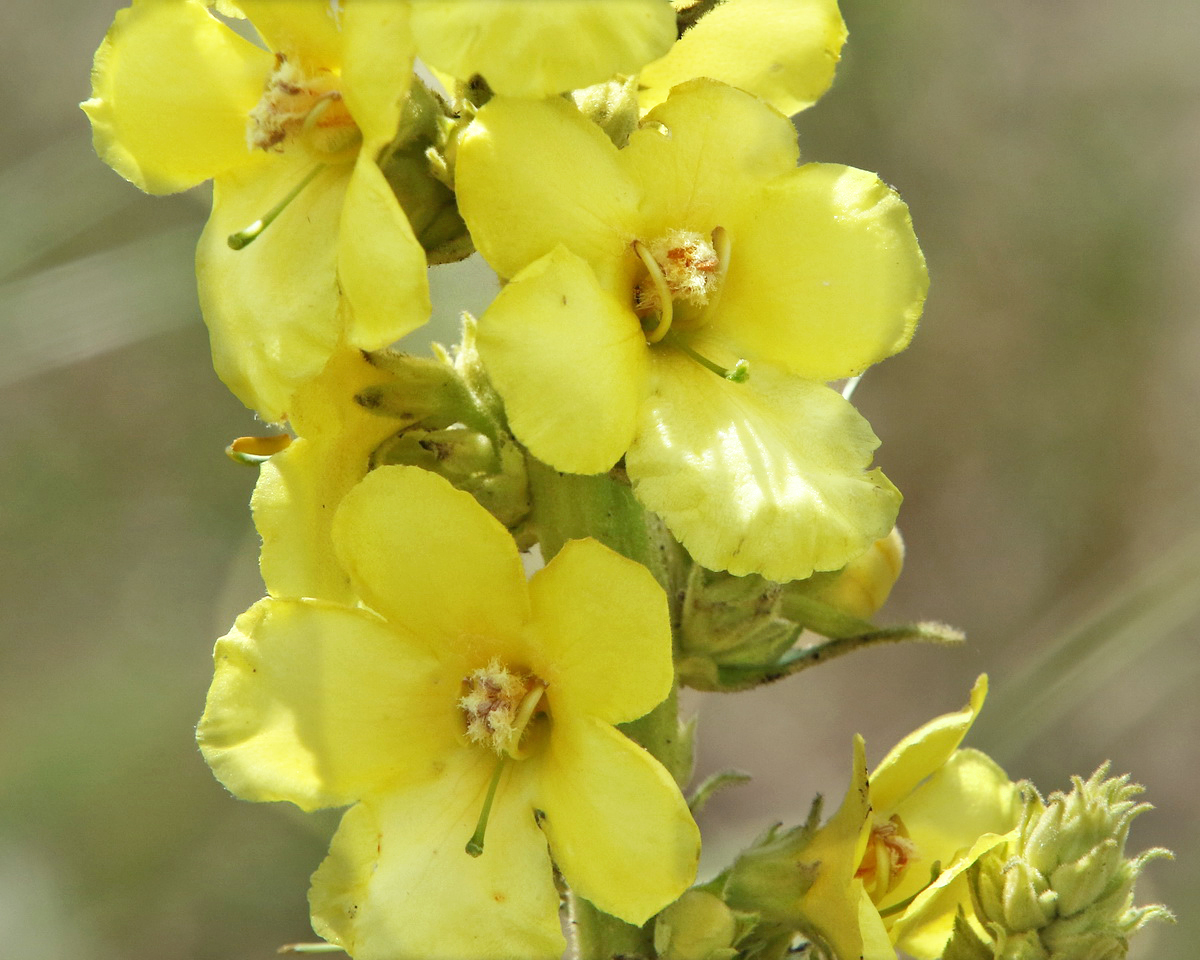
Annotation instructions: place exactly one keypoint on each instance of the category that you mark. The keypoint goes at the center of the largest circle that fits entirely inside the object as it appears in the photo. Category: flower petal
(298, 490)
(381, 267)
(378, 67)
(569, 361)
(299, 29)
(699, 154)
(534, 48)
(398, 885)
(530, 176)
(831, 904)
(969, 797)
(588, 642)
(272, 308)
(429, 557)
(172, 88)
(321, 705)
(922, 753)
(825, 274)
(767, 476)
(783, 51)
(618, 826)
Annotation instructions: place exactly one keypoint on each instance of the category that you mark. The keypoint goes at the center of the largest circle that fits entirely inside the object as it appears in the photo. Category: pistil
(249, 234)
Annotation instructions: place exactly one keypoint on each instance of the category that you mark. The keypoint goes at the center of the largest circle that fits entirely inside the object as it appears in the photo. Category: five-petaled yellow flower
(646, 282)
(457, 680)
(928, 802)
(180, 98)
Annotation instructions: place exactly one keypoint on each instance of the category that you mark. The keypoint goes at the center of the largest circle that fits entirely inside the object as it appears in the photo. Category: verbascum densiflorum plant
(1062, 888)
(681, 303)
(468, 716)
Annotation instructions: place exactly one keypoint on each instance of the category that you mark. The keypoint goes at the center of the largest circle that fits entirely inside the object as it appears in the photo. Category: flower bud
(728, 620)
(1063, 888)
(697, 926)
(862, 586)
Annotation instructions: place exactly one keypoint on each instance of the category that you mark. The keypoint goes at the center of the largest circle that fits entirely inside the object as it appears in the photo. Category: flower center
(889, 852)
(499, 705)
(296, 105)
(684, 271)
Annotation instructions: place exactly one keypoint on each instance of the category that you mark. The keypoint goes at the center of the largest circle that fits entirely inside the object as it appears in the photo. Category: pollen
(690, 266)
(889, 851)
(296, 104)
(498, 704)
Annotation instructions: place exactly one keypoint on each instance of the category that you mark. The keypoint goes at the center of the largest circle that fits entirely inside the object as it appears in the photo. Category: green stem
(568, 507)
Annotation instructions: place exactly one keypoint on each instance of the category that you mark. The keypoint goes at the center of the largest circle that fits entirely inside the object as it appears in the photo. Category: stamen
(475, 845)
(318, 110)
(661, 289)
(723, 247)
(738, 373)
(903, 905)
(248, 235)
(256, 450)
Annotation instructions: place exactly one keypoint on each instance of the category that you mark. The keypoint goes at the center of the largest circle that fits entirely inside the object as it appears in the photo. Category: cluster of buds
(1063, 888)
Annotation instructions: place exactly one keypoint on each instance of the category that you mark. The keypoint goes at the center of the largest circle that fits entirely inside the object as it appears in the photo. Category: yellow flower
(533, 48)
(458, 679)
(928, 802)
(699, 246)
(783, 51)
(179, 98)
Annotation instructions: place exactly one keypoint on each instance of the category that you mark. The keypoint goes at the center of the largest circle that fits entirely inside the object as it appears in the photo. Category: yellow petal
(768, 476)
(272, 308)
(533, 175)
(378, 67)
(570, 362)
(618, 827)
(533, 48)
(922, 753)
(783, 51)
(321, 705)
(923, 928)
(172, 88)
(832, 902)
(876, 944)
(699, 155)
(398, 885)
(304, 30)
(298, 490)
(825, 274)
(380, 265)
(596, 613)
(429, 557)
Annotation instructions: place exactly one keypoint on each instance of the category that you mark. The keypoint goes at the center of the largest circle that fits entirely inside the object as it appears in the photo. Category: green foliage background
(1043, 427)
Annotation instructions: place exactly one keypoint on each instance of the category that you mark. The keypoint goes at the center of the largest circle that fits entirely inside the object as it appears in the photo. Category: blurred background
(1043, 427)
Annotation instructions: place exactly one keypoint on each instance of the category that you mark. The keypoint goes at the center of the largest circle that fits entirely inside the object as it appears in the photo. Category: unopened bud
(862, 586)
(612, 106)
(697, 926)
(1063, 888)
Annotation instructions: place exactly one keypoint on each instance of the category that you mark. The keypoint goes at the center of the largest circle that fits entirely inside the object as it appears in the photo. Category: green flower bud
(1063, 889)
(443, 426)
(697, 926)
(728, 620)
